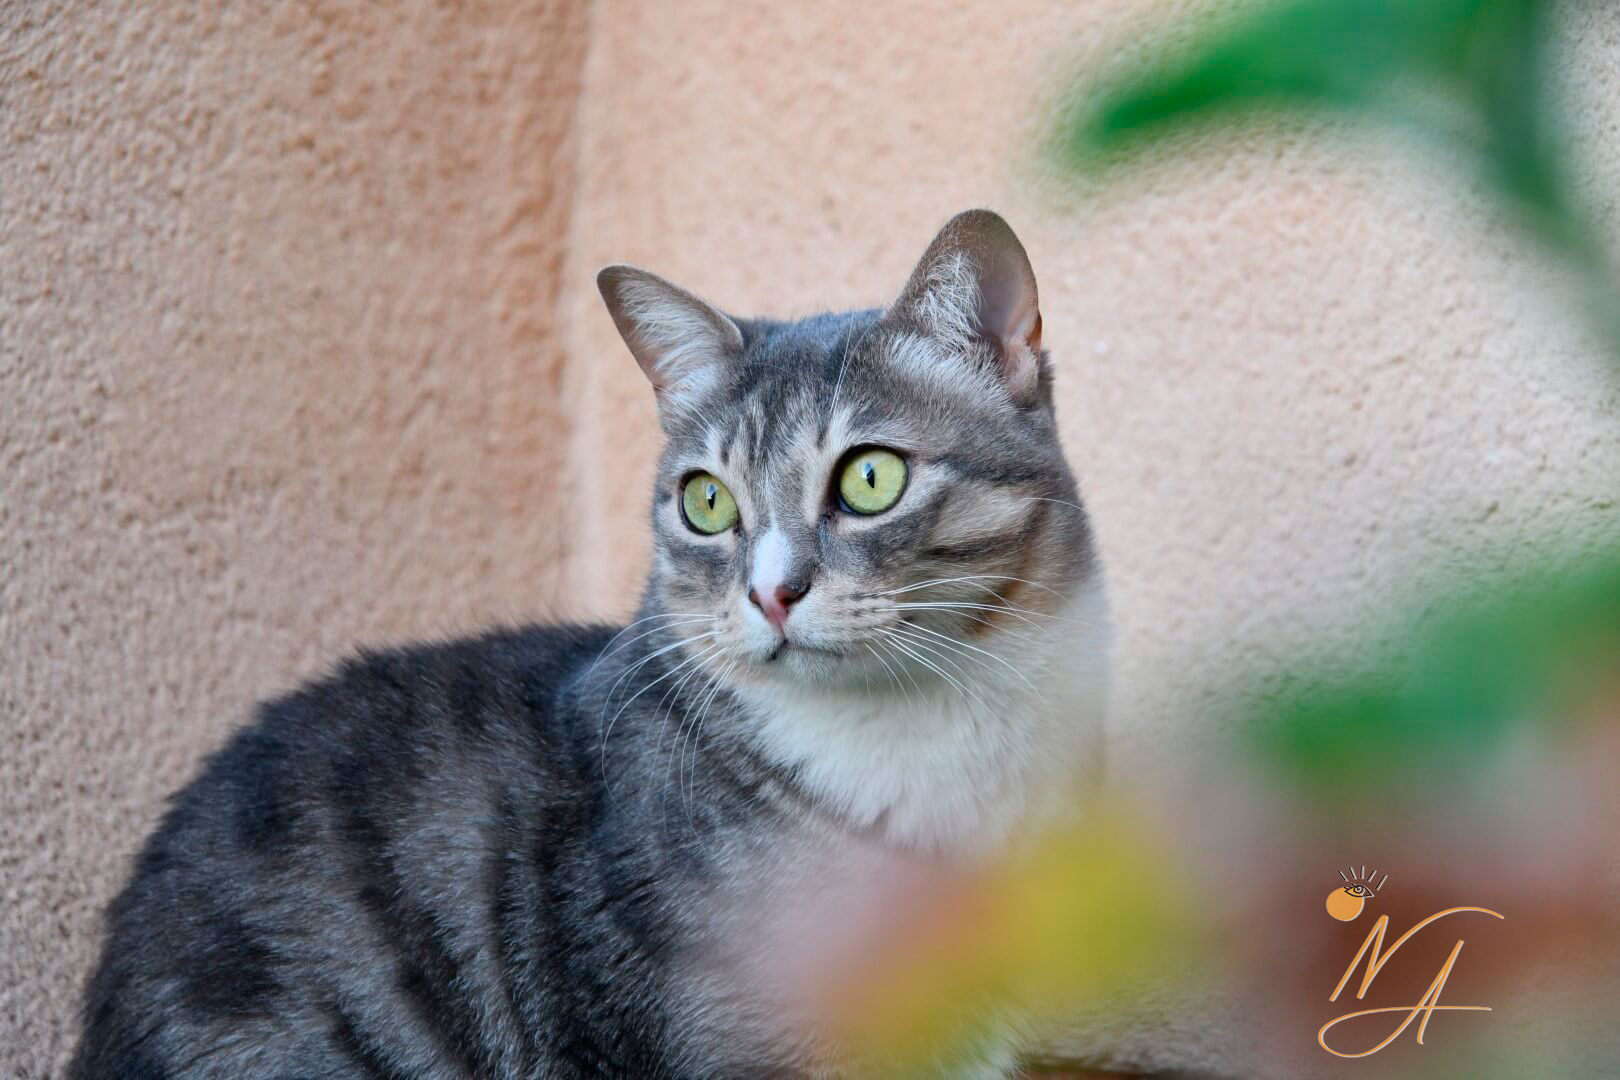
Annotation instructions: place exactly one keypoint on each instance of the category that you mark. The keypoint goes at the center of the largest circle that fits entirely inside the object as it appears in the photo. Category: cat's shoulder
(384, 714)
(458, 679)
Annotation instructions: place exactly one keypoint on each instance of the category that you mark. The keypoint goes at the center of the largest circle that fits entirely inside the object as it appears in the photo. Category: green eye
(706, 504)
(871, 480)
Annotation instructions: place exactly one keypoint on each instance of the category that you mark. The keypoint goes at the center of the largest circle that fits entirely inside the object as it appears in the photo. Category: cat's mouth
(789, 644)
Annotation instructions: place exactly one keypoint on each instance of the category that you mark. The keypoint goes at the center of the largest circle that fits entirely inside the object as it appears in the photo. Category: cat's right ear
(681, 341)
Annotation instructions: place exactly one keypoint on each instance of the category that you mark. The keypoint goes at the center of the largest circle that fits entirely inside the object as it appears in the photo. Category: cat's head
(864, 497)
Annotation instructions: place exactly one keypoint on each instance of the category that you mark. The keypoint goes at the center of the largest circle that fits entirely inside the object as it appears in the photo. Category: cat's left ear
(681, 341)
(974, 293)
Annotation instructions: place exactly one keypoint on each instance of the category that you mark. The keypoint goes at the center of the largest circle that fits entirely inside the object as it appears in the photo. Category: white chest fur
(955, 769)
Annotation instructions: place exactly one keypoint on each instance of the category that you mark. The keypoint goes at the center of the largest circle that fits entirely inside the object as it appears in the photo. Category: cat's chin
(806, 663)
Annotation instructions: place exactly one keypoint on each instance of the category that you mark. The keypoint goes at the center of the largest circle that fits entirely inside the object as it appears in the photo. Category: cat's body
(566, 851)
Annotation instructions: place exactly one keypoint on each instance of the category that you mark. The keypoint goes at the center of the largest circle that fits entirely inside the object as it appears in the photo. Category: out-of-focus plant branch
(1477, 669)
(1458, 73)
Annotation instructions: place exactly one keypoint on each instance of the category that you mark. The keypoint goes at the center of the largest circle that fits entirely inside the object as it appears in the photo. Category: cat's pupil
(870, 474)
(709, 492)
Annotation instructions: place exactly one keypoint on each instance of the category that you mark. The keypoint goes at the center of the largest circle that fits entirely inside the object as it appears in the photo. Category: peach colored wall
(279, 373)
(286, 293)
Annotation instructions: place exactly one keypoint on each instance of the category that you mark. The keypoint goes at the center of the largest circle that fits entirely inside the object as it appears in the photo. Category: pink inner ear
(1013, 321)
(1009, 310)
(1025, 325)
(1010, 316)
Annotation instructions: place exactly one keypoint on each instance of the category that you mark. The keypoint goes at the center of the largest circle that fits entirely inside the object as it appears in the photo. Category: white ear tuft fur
(974, 293)
(680, 340)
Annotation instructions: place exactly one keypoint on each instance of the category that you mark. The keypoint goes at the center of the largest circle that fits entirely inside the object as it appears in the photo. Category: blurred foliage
(1489, 661)
(1074, 921)
(1463, 73)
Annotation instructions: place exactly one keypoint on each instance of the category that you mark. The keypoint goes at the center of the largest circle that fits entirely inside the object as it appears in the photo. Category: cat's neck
(953, 769)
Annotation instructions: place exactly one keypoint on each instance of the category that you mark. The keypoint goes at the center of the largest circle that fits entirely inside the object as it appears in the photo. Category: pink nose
(775, 603)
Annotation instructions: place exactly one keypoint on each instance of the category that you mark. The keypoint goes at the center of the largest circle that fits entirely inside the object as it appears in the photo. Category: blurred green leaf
(1455, 71)
(1522, 653)
(1343, 53)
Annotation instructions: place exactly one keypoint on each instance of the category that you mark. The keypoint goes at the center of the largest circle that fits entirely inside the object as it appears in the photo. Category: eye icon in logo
(1345, 902)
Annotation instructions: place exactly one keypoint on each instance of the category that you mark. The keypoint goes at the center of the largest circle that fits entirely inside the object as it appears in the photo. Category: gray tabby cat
(873, 636)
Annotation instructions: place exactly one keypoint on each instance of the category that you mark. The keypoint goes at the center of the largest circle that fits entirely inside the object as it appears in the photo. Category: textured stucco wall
(285, 291)
(279, 373)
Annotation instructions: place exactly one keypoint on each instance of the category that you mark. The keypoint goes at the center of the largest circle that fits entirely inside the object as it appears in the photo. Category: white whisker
(934, 649)
(674, 688)
(697, 734)
(961, 645)
(655, 654)
(1060, 502)
(1025, 614)
(951, 605)
(892, 676)
(609, 649)
(838, 384)
(608, 729)
(905, 668)
(973, 580)
(709, 684)
(906, 647)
